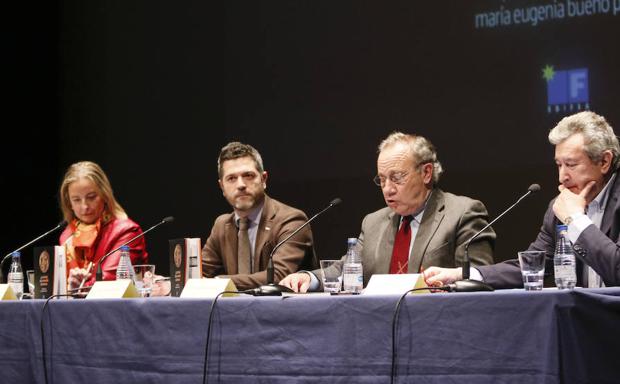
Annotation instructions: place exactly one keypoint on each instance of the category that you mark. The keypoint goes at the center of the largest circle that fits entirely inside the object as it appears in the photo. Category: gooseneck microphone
(271, 289)
(466, 284)
(167, 219)
(60, 225)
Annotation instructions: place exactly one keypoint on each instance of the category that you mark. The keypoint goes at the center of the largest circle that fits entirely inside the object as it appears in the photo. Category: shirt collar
(253, 216)
(417, 215)
(418, 218)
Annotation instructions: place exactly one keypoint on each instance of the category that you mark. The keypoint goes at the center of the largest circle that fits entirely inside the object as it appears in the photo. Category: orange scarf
(81, 249)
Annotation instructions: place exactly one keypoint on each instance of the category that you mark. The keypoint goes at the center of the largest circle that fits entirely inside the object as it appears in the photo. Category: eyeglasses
(398, 178)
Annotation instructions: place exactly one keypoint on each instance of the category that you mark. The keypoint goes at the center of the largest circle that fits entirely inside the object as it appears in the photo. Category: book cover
(43, 264)
(185, 263)
(177, 266)
(50, 271)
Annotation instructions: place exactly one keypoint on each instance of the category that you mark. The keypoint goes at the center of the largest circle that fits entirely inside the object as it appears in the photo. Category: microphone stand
(271, 289)
(467, 284)
(62, 224)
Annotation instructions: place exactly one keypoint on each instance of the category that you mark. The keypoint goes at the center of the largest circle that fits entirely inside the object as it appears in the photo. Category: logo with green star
(548, 72)
(567, 89)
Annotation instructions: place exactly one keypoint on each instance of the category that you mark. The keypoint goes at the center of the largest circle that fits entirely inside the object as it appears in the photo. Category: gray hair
(598, 135)
(421, 149)
(235, 150)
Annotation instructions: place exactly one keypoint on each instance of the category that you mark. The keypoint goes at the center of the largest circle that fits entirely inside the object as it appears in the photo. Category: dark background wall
(151, 90)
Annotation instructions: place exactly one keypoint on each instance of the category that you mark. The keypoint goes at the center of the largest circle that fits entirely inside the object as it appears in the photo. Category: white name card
(116, 289)
(394, 284)
(207, 288)
(6, 292)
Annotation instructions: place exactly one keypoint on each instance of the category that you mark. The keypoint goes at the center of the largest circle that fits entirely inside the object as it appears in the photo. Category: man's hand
(568, 203)
(161, 286)
(437, 277)
(298, 282)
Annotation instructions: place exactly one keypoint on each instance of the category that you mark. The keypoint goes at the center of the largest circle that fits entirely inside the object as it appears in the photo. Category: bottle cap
(352, 240)
(125, 248)
(16, 254)
(561, 227)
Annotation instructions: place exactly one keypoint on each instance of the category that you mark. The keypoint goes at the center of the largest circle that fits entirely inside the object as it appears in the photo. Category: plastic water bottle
(564, 261)
(124, 270)
(353, 273)
(16, 275)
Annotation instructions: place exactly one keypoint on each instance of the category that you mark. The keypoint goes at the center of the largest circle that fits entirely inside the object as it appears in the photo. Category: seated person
(587, 155)
(421, 225)
(241, 242)
(96, 225)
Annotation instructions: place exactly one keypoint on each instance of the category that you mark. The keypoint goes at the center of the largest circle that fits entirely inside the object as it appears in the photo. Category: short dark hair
(235, 150)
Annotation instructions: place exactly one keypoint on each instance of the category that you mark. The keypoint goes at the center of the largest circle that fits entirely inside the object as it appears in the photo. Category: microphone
(167, 219)
(271, 289)
(468, 285)
(60, 225)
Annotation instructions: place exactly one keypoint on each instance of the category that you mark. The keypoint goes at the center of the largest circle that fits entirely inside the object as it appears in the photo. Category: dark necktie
(243, 247)
(400, 253)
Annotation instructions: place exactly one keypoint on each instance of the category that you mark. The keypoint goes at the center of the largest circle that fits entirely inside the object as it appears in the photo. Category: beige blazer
(448, 222)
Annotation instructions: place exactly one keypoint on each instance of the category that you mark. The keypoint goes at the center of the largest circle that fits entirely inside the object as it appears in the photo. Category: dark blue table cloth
(496, 337)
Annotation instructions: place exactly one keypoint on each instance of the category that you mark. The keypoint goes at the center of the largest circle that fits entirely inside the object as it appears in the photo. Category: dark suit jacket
(598, 248)
(448, 222)
(219, 255)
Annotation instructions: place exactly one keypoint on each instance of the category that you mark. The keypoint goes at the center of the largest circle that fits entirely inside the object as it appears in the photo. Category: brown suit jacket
(278, 220)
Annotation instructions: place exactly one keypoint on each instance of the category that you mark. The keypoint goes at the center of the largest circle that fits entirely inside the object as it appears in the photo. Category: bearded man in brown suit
(241, 242)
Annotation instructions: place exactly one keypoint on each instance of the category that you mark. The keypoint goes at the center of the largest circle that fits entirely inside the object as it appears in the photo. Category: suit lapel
(386, 244)
(230, 235)
(432, 217)
(611, 208)
(263, 232)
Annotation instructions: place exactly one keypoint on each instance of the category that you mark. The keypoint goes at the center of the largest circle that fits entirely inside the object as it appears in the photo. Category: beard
(245, 204)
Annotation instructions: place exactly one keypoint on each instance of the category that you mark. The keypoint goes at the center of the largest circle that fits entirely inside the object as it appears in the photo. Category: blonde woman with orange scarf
(97, 225)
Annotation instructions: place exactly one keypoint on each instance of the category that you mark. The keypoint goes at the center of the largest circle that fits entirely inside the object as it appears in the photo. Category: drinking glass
(532, 269)
(30, 277)
(145, 273)
(331, 276)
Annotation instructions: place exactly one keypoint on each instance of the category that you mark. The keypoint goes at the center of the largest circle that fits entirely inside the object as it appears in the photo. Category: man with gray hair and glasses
(421, 225)
(587, 155)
